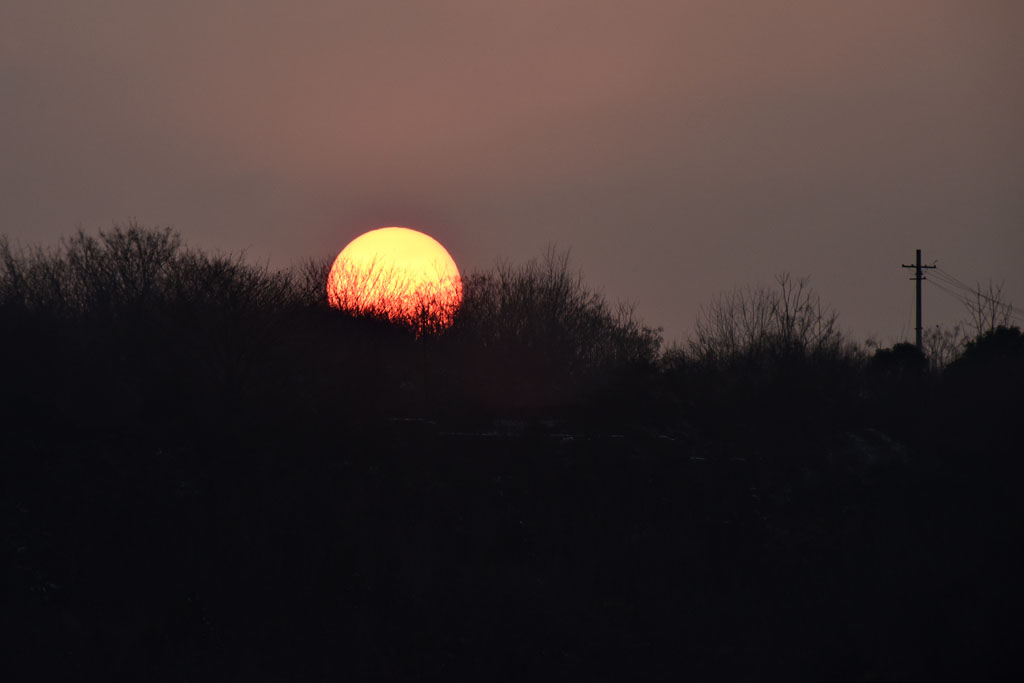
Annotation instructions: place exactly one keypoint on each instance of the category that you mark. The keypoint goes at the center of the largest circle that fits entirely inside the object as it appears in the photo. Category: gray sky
(677, 147)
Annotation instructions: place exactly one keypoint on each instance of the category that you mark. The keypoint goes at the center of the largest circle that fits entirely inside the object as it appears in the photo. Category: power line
(959, 297)
(1011, 312)
(952, 280)
(950, 276)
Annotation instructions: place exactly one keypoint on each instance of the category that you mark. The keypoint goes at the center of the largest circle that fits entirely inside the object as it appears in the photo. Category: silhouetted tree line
(132, 327)
(202, 480)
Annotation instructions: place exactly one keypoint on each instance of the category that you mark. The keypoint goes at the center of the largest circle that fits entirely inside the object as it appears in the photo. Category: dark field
(420, 554)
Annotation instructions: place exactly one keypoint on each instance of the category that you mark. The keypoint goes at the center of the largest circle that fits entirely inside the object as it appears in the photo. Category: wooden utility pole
(918, 277)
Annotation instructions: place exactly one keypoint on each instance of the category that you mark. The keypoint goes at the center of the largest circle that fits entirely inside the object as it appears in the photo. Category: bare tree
(988, 309)
(773, 322)
(545, 306)
(34, 279)
(309, 279)
(942, 346)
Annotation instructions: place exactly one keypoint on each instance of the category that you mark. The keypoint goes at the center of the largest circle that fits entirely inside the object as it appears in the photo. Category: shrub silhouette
(771, 358)
(139, 324)
(766, 324)
(942, 346)
(534, 338)
(996, 350)
(982, 387)
(902, 360)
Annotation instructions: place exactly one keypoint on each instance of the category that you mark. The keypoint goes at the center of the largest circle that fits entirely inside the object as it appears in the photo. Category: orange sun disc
(397, 273)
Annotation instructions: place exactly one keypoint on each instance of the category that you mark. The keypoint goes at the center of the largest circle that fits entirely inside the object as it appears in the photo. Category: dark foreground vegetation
(208, 474)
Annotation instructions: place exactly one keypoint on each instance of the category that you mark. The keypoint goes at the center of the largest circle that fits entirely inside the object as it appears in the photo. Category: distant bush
(990, 372)
(535, 337)
(902, 360)
(995, 350)
(770, 358)
(117, 270)
(942, 346)
(764, 323)
(132, 325)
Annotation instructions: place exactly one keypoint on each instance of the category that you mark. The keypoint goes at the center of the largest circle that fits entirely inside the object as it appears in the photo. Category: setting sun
(398, 273)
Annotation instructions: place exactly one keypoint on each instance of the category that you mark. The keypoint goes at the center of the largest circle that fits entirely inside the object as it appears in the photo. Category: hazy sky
(677, 147)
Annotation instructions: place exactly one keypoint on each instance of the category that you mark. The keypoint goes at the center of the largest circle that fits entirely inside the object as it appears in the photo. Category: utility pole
(918, 277)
